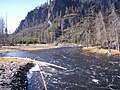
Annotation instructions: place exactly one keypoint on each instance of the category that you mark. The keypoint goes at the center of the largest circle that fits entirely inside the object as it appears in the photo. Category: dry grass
(26, 48)
(9, 61)
(98, 50)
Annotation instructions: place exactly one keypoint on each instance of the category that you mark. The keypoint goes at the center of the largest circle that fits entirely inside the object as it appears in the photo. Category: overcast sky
(17, 10)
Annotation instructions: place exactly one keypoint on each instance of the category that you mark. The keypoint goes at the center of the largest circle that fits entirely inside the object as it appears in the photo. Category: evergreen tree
(73, 11)
(67, 11)
(60, 14)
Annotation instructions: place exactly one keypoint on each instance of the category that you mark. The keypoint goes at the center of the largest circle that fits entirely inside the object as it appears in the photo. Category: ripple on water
(83, 72)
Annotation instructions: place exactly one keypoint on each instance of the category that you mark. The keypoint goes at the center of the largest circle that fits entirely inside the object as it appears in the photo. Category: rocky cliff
(47, 12)
(35, 17)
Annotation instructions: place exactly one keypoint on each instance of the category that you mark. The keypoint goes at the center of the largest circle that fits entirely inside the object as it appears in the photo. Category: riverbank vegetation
(101, 51)
(9, 61)
(24, 47)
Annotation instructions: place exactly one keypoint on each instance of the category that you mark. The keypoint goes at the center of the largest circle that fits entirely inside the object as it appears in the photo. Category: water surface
(83, 72)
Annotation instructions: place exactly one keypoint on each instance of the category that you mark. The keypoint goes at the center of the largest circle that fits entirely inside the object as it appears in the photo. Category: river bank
(24, 47)
(13, 73)
(101, 51)
(93, 49)
(33, 47)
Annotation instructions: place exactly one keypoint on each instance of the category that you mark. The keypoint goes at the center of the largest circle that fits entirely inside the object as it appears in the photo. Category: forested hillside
(86, 22)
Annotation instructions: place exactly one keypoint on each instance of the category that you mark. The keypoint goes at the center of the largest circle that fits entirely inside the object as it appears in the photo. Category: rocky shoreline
(14, 76)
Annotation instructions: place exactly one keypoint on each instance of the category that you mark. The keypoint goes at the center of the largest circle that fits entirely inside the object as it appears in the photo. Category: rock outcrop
(35, 17)
(47, 12)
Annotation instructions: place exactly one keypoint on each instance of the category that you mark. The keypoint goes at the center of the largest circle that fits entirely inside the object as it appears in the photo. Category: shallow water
(83, 72)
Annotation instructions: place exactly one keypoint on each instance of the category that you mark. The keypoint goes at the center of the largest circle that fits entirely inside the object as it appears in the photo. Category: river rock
(14, 77)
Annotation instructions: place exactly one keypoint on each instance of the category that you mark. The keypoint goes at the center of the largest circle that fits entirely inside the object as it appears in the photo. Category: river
(82, 72)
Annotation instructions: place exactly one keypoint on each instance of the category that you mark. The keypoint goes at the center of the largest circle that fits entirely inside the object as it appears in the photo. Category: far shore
(101, 51)
(97, 50)
(24, 47)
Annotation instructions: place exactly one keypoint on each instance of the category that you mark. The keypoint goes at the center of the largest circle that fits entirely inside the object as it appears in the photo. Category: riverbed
(81, 71)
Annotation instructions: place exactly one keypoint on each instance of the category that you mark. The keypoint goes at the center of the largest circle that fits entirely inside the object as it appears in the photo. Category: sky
(16, 10)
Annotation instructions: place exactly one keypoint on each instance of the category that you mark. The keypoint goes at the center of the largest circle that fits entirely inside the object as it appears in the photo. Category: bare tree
(88, 29)
(103, 36)
(114, 27)
(2, 24)
(99, 24)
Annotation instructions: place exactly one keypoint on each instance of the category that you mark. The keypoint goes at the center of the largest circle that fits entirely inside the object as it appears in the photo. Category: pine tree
(67, 11)
(60, 14)
(73, 11)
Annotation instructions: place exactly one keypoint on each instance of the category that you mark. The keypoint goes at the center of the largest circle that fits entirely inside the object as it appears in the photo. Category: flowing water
(75, 71)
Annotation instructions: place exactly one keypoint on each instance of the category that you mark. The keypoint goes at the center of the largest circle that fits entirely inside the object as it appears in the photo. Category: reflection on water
(83, 72)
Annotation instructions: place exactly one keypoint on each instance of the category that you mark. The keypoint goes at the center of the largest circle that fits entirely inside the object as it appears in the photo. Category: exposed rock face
(46, 13)
(60, 5)
(37, 16)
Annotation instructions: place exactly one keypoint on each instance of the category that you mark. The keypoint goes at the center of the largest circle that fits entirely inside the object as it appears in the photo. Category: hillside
(88, 22)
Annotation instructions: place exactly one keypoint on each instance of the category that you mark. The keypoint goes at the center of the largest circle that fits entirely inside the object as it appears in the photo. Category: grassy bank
(24, 47)
(102, 51)
(9, 61)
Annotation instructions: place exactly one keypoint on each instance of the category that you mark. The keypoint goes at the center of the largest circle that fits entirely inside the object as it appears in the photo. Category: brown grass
(95, 49)
(9, 61)
(26, 48)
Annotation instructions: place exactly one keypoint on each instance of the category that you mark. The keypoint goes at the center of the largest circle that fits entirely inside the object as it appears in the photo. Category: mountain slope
(90, 22)
(47, 12)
